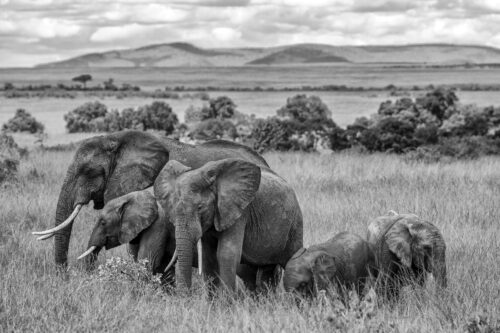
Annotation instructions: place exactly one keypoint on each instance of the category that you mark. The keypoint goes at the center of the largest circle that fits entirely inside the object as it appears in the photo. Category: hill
(188, 55)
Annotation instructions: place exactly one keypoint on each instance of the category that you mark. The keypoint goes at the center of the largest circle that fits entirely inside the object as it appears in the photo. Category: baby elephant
(343, 261)
(406, 248)
(137, 219)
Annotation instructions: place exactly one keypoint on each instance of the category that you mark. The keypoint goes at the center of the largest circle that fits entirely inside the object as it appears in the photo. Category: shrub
(23, 122)
(210, 129)
(302, 108)
(193, 115)
(159, 116)
(221, 107)
(271, 134)
(80, 119)
(10, 153)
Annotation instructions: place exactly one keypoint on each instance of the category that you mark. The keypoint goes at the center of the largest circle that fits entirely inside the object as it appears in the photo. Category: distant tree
(159, 116)
(83, 79)
(304, 108)
(109, 84)
(221, 107)
(82, 118)
(23, 122)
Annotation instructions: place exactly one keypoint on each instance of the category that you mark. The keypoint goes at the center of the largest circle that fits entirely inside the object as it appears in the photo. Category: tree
(302, 108)
(438, 101)
(83, 79)
(221, 107)
(80, 119)
(159, 116)
(23, 122)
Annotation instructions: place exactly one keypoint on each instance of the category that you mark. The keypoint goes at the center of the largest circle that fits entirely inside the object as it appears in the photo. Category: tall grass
(336, 192)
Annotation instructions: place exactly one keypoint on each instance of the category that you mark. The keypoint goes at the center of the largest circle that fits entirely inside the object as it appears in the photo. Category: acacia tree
(83, 79)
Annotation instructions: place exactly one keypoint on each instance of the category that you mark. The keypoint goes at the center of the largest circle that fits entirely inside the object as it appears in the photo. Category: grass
(337, 192)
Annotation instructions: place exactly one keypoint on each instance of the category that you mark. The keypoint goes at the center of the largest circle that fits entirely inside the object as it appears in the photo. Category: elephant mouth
(98, 199)
(111, 242)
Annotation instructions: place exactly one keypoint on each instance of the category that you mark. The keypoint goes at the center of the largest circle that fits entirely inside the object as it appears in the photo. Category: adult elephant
(109, 166)
(236, 211)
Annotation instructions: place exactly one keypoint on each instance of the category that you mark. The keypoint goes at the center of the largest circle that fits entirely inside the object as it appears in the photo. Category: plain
(337, 192)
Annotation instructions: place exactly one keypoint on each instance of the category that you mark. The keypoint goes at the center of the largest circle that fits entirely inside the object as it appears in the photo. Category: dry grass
(336, 192)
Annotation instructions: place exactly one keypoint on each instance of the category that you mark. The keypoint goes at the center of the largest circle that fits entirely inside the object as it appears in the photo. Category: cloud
(107, 34)
(72, 27)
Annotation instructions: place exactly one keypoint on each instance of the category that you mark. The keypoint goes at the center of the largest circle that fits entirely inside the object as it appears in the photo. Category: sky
(40, 31)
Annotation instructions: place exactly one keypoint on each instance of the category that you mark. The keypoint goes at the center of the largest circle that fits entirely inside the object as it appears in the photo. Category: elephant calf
(343, 261)
(137, 219)
(406, 248)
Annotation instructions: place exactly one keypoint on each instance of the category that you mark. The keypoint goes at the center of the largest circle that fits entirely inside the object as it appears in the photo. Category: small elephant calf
(406, 248)
(344, 261)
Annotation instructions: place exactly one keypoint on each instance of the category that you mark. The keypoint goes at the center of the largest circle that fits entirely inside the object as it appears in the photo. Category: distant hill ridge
(184, 54)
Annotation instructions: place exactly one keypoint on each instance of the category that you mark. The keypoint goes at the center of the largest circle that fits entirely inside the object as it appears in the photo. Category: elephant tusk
(86, 253)
(172, 261)
(63, 225)
(200, 257)
(45, 237)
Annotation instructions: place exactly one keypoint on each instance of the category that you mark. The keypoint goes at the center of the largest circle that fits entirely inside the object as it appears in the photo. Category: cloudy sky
(37, 31)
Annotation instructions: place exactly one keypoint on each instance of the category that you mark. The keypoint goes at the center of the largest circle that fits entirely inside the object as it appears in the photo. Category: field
(345, 106)
(336, 192)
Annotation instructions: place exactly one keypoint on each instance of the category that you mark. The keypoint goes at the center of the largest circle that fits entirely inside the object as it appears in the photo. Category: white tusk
(200, 257)
(172, 261)
(45, 237)
(62, 225)
(86, 253)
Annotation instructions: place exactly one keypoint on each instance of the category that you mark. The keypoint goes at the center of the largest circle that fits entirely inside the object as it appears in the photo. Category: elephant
(106, 167)
(344, 262)
(406, 249)
(137, 218)
(237, 212)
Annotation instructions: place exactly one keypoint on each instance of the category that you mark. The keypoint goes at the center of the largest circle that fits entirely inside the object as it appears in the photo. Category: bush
(159, 116)
(23, 122)
(10, 154)
(302, 108)
(82, 119)
(221, 107)
(271, 134)
(211, 129)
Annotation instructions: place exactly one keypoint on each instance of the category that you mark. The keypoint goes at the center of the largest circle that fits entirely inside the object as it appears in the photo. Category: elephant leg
(268, 277)
(133, 250)
(210, 267)
(229, 251)
(248, 274)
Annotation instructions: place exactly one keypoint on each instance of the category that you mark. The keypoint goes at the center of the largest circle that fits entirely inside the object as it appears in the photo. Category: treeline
(430, 127)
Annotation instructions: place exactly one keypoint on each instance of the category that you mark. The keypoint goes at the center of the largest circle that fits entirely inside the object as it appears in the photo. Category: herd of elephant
(218, 206)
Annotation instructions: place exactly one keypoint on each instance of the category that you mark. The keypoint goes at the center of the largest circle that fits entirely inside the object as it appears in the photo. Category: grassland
(337, 192)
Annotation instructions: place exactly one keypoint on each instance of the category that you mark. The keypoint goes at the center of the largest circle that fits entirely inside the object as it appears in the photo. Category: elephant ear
(138, 212)
(139, 158)
(325, 268)
(235, 183)
(165, 181)
(399, 241)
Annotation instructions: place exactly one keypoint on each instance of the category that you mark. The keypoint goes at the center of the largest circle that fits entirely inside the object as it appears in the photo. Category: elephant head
(122, 220)
(103, 168)
(405, 243)
(310, 271)
(213, 196)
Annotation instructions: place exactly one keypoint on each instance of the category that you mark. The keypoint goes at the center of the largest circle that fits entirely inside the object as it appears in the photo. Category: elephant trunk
(64, 208)
(184, 247)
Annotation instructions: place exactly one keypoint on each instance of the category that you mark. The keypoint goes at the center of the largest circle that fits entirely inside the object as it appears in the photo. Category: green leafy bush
(158, 116)
(23, 122)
